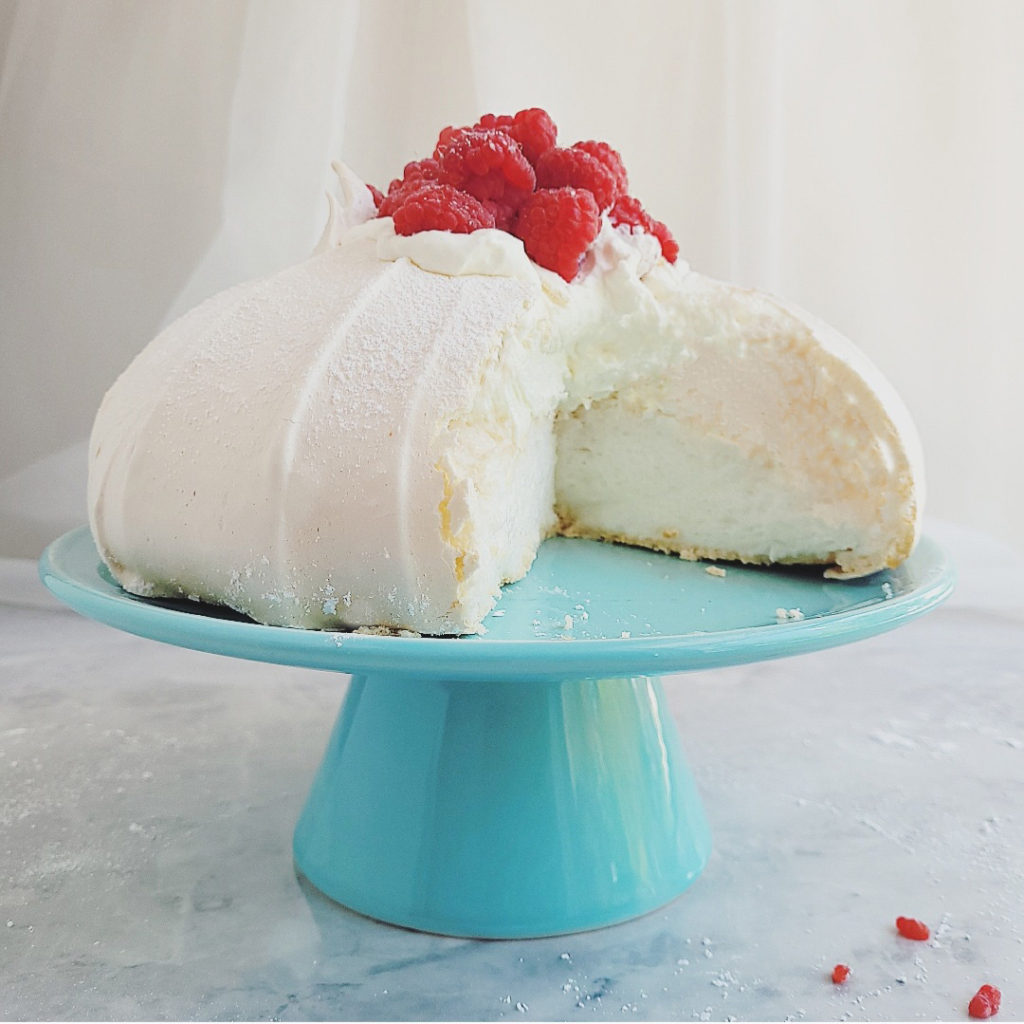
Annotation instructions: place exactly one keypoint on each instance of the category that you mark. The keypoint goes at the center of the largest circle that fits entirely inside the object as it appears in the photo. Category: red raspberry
(421, 170)
(669, 246)
(397, 194)
(985, 1002)
(840, 973)
(611, 159)
(576, 168)
(485, 162)
(628, 211)
(494, 121)
(378, 196)
(911, 928)
(416, 173)
(440, 208)
(504, 213)
(557, 226)
(446, 135)
(534, 130)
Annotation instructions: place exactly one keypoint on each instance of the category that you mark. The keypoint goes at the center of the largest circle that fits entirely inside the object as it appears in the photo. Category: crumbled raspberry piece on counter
(911, 928)
(985, 1002)
(840, 973)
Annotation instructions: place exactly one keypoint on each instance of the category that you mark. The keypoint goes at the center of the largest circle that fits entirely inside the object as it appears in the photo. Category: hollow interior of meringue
(631, 473)
(743, 441)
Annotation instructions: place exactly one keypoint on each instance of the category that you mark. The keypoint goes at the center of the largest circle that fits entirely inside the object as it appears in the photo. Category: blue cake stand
(529, 781)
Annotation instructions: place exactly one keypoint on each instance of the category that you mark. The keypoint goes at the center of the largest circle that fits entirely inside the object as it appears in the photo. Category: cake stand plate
(528, 781)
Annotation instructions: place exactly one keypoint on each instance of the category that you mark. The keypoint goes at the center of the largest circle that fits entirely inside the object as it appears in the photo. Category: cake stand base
(528, 781)
(502, 809)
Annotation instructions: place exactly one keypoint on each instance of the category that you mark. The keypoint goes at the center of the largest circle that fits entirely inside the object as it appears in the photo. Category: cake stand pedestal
(515, 807)
(529, 781)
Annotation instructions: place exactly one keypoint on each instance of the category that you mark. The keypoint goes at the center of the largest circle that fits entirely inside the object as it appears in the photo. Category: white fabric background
(864, 159)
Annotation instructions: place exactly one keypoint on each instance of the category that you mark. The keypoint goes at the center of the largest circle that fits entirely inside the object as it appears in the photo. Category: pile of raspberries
(507, 172)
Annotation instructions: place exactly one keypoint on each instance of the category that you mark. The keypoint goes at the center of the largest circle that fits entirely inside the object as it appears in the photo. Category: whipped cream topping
(352, 218)
(488, 251)
(619, 245)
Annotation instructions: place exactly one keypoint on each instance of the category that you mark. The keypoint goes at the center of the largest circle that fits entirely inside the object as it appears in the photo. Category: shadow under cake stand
(528, 781)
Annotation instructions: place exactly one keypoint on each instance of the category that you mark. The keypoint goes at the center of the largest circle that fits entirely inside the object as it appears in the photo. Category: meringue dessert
(383, 435)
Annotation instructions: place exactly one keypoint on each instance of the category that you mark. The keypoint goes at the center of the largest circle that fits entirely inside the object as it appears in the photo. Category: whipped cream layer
(383, 434)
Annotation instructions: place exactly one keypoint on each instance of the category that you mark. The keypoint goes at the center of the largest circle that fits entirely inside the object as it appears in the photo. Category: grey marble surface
(148, 794)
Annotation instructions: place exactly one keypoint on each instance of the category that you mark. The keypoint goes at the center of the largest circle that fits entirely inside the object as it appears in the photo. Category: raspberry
(669, 246)
(397, 194)
(378, 196)
(421, 170)
(576, 168)
(629, 212)
(494, 121)
(485, 162)
(985, 1002)
(840, 973)
(416, 173)
(910, 928)
(557, 226)
(534, 130)
(611, 159)
(445, 136)
(504, 213)
(440, 208)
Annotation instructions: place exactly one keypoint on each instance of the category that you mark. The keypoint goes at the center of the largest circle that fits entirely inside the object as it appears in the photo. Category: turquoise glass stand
(507, 809)
(528, 781)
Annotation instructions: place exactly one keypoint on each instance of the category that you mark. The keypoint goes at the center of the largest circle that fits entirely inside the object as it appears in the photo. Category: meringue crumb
(714, 570)
(625, 634)
(568, 622)
(792, 615)
(385, 631)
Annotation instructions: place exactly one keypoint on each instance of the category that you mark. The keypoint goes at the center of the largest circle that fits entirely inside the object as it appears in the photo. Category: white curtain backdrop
(864, 158)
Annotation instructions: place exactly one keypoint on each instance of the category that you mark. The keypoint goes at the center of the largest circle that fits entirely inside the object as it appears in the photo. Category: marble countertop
(148, 796)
